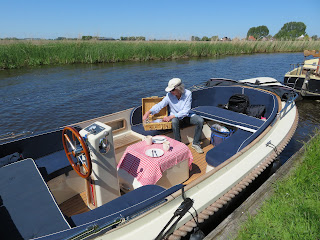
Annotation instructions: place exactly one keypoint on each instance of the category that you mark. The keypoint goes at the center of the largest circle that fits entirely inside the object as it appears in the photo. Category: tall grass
(16, 54)
(293, 212)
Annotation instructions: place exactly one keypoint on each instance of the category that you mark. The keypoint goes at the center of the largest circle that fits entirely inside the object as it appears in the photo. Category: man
(179, 100)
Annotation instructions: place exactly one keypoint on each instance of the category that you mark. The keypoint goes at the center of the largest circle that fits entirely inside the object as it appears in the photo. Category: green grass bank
(17, 54)
(293, 211)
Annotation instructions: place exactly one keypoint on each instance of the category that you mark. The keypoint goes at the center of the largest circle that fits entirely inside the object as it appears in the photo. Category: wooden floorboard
(75, 205)
(199, 164)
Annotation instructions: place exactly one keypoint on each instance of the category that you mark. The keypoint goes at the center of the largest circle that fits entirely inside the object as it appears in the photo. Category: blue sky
(161, 19)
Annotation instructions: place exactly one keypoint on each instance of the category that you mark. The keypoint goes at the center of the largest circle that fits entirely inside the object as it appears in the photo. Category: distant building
(105, 39)
(225, 39)
(251, 38)
(30, 39)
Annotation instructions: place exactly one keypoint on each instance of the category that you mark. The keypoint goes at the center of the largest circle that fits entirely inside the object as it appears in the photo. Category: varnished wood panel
(125, 140)
(75, 205)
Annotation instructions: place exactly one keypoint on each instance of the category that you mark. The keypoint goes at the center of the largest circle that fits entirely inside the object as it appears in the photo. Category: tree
(140, 38)
(205, 38)
(258, 32)
(195, 38)
(291, 31)
(214, 38)
(314, 37)
(86, 37)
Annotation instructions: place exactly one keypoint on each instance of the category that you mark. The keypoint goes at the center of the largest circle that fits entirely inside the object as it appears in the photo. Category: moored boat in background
(305, 77)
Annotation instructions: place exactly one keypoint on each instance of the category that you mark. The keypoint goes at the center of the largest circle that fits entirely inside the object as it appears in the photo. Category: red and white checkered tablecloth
(148, 170)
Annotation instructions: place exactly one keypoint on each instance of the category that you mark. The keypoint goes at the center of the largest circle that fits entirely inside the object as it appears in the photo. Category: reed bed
(293, 211)
(17, 54)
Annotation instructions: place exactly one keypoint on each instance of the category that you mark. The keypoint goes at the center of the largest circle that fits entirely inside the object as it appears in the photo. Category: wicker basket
(147, 104)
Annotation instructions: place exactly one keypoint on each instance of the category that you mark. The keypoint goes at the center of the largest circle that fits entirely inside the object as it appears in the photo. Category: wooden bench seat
(125, 140)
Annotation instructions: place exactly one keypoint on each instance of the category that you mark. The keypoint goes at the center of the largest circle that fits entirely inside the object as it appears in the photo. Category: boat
(305, 77)
(69, 183)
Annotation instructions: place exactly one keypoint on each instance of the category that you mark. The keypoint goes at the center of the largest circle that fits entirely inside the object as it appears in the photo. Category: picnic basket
(147, 104)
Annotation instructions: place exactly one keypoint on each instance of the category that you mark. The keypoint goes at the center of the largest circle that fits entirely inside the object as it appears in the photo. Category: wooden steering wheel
(77, 152)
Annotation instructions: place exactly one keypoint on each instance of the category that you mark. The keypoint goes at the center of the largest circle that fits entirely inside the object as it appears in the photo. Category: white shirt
(179, 108)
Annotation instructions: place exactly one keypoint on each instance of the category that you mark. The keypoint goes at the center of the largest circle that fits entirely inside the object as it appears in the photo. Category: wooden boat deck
(199, 164)
(77, 204)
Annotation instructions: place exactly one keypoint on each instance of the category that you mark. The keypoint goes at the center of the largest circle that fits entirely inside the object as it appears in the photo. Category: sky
(153, 19)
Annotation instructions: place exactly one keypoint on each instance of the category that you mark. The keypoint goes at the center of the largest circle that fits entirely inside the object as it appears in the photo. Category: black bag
(257, 111)
(238, 103)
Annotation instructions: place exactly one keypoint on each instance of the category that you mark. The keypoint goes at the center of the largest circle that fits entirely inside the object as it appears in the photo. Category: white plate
(158, 139)
(154, 152)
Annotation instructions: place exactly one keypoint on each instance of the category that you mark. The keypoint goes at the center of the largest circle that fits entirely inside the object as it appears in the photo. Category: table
(148, 170)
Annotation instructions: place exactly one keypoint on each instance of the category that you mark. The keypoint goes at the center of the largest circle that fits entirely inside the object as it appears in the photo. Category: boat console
(102, 185)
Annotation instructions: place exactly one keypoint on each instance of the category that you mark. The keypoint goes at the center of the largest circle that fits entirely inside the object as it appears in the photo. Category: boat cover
(284, 92)
(28, 210)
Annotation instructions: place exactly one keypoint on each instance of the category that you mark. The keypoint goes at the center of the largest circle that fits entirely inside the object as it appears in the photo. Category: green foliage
(306, 37)
(61, 38)
(195, 38)
(258, 32)
(16, 54)
(205, 38)
(86, 37)
(314, 37)
(291, 31)
(293, 211)
(9, 38)
(140, 38)
(214, 38)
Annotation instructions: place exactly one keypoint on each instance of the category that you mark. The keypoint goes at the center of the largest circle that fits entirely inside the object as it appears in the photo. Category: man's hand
(145, 116)
(168, 118)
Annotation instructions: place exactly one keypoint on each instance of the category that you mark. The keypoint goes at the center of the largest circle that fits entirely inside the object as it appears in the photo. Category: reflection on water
(44, 98)
(309, 119)
(309, 112)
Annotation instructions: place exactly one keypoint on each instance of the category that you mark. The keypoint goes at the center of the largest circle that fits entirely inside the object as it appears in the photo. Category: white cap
(173, 83)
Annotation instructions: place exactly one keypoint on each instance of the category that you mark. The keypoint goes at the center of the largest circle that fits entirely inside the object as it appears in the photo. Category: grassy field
(16, 54)
(293, 211)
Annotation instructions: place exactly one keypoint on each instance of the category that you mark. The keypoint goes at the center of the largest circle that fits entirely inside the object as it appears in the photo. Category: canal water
(39, 99)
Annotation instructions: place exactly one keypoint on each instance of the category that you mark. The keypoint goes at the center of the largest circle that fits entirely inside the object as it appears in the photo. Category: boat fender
(197, 234)
(276, 163)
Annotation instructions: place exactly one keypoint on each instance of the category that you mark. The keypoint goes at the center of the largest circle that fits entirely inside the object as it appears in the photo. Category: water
(45, 98)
